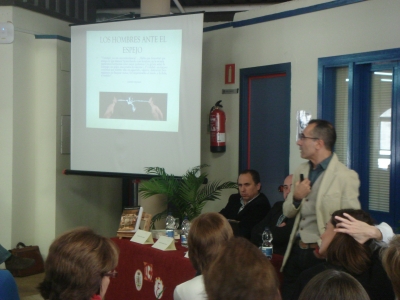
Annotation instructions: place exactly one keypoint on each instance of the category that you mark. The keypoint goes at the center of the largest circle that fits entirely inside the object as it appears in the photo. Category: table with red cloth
(144, 271)
(276, 261)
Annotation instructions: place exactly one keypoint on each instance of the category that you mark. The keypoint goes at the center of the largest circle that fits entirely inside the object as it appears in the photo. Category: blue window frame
(360, 67)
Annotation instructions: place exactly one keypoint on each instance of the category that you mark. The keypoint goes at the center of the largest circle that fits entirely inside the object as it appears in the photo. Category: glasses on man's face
(283, 187)
(302, 137)
(111, 274)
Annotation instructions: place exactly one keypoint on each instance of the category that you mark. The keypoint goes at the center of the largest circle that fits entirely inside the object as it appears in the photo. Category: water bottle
(185, 231)
(170, 225)
(266, 246)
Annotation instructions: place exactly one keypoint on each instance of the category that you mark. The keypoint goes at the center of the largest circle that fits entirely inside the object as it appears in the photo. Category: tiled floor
(34, 297)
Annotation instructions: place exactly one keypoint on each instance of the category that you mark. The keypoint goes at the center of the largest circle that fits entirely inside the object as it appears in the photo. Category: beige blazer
(338, 190)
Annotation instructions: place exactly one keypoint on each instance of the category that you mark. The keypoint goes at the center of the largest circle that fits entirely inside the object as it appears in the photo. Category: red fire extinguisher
(217, 128)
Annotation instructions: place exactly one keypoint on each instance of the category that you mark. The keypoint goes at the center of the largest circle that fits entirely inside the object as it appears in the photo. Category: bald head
(287, 185)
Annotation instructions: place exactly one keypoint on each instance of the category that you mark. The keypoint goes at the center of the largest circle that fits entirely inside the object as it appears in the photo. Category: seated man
(278, 223)
(248, 207)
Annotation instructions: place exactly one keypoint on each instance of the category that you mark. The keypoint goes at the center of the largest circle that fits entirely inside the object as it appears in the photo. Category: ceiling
(215, 10)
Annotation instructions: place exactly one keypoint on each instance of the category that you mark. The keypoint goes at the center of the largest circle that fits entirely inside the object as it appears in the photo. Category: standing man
(322, 186)
(248, 207)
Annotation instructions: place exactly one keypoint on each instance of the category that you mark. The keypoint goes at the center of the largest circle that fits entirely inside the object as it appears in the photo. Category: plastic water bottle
(185, 231)
(170, 225)
(266, 246)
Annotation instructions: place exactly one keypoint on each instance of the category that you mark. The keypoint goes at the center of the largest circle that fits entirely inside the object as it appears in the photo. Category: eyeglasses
(283, 187)
(111, 274)
(301, 136)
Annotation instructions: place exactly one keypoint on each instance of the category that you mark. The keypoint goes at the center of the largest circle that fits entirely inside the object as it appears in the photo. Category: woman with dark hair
(208, 234)
(241, 272)
(391, 263)
(79, 266)
(344, 253)
(333, 285)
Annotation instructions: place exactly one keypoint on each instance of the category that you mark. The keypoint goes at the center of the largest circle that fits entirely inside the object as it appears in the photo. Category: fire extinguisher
(217, 128)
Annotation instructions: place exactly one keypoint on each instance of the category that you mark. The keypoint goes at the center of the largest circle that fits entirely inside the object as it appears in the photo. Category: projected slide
(136, 94)
(133, 79)
(133, 106)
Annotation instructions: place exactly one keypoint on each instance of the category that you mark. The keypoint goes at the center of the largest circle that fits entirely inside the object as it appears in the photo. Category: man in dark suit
(278, 223)
(248, 207)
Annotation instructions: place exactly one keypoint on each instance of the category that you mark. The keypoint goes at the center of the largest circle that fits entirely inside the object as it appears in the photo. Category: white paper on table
(142, 237)
(165, 243)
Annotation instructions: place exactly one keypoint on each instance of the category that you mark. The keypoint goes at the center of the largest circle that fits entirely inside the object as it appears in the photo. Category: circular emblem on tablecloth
(158, 288)
(138, 279)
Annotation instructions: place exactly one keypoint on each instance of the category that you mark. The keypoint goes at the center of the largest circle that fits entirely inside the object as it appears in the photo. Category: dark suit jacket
(249, 216)
(280, 234)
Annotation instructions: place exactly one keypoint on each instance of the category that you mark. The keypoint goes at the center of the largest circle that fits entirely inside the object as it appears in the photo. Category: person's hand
(317, 254)
(110, 109)
(301, 189)
(155, 110)
(359, 230)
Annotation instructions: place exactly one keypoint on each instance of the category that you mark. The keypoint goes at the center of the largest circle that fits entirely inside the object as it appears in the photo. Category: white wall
(37, 201)
(6, 136)
(301, 40)
(217, 51)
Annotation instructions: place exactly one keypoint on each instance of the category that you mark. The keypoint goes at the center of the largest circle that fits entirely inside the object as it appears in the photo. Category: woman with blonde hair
(79, 266)
(208, 234)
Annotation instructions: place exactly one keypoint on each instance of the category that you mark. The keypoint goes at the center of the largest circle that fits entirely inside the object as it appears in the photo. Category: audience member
(13, 262)
(362, 231)
(344, 253)
(8, 286)
(322, 185)
(248, 207)
(333, 285)
(278, 223)
(391, 263)
(208, 233)
(241, 272)
(79, 266)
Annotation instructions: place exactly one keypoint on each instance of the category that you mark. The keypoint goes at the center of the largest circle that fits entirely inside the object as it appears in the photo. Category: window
(360, 94)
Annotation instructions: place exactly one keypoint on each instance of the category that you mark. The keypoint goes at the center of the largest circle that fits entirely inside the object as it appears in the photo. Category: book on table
(131, 219)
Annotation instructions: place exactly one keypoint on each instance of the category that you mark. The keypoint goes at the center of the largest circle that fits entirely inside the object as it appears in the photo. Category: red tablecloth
(144, 272)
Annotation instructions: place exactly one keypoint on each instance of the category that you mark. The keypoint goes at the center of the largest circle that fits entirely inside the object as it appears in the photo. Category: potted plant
(185, 196)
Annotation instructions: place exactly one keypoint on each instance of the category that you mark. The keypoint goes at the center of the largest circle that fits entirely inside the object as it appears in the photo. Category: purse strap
(20, 245)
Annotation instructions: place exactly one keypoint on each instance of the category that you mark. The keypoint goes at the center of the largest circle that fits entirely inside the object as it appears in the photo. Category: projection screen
(136, 94)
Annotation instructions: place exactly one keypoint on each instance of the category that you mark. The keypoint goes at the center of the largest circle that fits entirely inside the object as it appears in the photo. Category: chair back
(8, 286)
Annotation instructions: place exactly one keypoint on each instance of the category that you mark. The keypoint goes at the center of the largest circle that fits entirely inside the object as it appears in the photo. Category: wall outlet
(6, 33)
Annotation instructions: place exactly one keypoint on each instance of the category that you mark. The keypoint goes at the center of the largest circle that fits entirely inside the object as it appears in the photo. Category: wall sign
(230, 74)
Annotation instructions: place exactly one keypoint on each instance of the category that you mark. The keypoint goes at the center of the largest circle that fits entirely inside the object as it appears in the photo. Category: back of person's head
(325, 131)
(208, 233)
(333, 285)
(241, 272)
(391, 263)
(344, 250)
(77, 262)
(254, 175)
